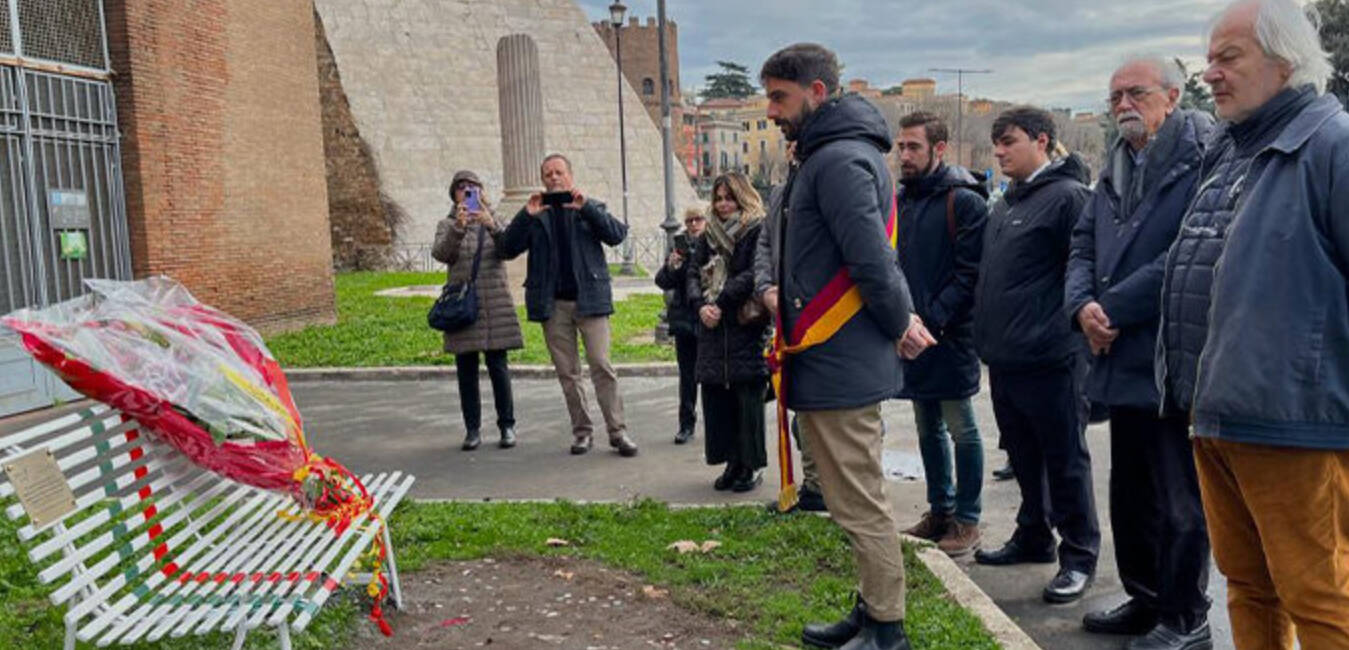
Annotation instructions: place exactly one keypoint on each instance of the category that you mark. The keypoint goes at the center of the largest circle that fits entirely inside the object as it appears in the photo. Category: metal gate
(62, 212)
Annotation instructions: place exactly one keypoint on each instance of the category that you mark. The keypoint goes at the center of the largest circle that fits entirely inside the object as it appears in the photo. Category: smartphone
(682, 243)
(557, 199)
(471, 200)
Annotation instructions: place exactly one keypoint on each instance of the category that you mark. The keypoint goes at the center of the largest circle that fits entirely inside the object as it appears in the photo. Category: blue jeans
(939, 424)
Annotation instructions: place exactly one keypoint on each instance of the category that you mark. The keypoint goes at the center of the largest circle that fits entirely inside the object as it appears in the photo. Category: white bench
(216, 557)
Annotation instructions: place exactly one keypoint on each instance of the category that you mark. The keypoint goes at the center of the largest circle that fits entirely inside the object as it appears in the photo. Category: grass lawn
(380, 331)
(772, 573)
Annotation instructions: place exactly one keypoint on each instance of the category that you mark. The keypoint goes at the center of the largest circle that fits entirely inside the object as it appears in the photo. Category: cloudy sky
(1048, 52)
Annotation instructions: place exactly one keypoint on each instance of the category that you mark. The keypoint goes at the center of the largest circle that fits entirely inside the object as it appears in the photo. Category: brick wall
(222, 152)
(641, 61)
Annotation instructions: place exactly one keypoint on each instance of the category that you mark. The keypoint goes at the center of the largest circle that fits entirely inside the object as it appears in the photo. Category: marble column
(520, 102)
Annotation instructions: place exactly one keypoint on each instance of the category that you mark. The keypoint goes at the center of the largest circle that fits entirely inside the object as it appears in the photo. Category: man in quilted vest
(1254, 338)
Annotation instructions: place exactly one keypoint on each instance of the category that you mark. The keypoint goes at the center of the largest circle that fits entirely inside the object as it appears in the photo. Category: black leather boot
(507, 438)
(472, 440)
(876, 635)
(833, 635)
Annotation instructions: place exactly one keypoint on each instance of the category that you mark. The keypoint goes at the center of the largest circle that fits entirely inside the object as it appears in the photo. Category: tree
(1335, 38)
(733, 81)
(1196, 95)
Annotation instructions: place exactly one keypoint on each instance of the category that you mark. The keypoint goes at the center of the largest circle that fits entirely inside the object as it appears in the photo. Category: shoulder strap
(477, 257)
(951, 214)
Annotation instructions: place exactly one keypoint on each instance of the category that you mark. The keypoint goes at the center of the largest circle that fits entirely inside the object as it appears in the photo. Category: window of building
(763, 124)
(707, 159)
(722, 137)
(648, 86)
(725, 160)
(745, 147)
(763, 147)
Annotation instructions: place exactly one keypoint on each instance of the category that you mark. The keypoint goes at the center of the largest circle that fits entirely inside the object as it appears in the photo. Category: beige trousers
(846, 446)
(559, 332)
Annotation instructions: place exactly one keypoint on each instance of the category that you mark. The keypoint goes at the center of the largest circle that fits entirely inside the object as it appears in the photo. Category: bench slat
(379, 488)
(111, 508)
(278, 564)
(68, 458)
(322, 592)
(230, 561)
(70, 443)
(22, 438)
(258, 512)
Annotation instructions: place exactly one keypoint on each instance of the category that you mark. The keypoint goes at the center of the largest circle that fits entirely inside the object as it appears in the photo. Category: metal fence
(62, 215)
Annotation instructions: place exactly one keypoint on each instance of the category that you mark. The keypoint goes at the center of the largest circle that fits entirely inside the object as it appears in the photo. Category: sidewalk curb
(423, 373)
(1009, 635)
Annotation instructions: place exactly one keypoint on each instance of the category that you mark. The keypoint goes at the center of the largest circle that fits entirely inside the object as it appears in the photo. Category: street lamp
(617, 11)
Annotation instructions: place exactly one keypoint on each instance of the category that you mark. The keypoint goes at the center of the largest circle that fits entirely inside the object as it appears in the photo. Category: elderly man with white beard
(1114, 279)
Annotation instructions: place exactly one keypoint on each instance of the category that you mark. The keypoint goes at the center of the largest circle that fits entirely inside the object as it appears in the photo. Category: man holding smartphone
(567, 289)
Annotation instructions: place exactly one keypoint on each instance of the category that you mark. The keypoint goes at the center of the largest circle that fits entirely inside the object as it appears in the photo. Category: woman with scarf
(732, 334)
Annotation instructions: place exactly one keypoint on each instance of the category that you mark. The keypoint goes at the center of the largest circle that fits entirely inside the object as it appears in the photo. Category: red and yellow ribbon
(821, 318)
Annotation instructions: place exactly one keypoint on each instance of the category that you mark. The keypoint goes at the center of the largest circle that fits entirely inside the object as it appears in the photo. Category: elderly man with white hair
(1254, 339)
(1114, 277)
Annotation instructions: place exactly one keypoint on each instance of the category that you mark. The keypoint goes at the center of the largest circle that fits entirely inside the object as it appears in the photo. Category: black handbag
(457, 306)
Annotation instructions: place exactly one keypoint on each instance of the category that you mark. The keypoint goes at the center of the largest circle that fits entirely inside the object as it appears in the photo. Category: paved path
(416, 426)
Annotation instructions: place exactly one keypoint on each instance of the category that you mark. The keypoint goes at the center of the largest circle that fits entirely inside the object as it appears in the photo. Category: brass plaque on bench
(42, 489)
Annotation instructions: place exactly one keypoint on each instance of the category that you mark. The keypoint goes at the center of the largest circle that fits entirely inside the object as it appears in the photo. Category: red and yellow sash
(821, 318)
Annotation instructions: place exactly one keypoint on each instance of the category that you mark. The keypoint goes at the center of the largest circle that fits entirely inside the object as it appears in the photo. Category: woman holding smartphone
(459, 235)
(732, 334)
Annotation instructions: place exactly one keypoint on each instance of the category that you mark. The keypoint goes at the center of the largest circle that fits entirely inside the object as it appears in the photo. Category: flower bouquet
(201, 381)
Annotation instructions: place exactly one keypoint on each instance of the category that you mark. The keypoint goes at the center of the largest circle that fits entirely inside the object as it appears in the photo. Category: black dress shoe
(507, 438)
(1130, 617)
(1164, 637)
(876, 635)
(747, 480)
(727, 478)
(833, 635)
(1067, 586)
(581, 445)
(684, 435)
(811, 501)
(472, 440)
(1013, 553)
(1004, 473)
(807, 500)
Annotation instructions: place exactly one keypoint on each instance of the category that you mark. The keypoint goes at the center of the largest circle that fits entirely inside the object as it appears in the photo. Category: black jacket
(1118, 258)
(730, 353)
(591, 226)
(678, 313)
(1019, 318)
(836, 203)
(940, 260)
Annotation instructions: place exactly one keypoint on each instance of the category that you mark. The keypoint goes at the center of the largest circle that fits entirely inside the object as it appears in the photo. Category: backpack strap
(951, 214)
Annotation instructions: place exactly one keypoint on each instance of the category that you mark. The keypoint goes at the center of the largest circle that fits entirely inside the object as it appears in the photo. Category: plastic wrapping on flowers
(203, 382)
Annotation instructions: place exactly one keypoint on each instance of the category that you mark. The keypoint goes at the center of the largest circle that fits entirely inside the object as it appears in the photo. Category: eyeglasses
(1136, 94)
(694, 220)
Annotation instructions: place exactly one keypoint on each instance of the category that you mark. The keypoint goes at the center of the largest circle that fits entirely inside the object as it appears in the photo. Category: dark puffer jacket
(1019, 319)
(940, 259)
(1255, 320)
(837, 203)
(681, 318)
(730, 353)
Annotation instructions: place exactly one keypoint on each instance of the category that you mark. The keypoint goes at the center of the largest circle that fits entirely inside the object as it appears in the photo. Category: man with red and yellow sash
(842, 307)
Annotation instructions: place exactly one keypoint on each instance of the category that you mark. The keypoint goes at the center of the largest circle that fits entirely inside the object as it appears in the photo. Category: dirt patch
(542, 603)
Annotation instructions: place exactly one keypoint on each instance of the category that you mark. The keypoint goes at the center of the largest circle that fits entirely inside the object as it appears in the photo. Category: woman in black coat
(673, 277)
(732, 333)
